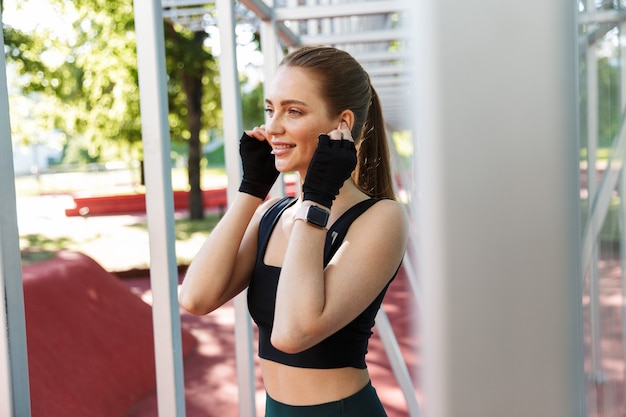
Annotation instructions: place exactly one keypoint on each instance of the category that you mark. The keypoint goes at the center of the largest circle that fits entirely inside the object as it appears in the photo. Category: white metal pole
(160, 207)
(272, 56)
(396, 360)
(231, 108)
(592, 191)
(14, 384)
(622, 205)
(498, 209)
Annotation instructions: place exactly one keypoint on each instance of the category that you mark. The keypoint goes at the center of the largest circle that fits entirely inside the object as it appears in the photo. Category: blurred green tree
(87, 78)
(194, 100)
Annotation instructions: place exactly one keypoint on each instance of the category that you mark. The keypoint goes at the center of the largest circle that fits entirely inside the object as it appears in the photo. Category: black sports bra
(346, 347)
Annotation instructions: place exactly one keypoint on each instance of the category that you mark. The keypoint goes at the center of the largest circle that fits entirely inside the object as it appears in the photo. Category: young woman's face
(297, 114)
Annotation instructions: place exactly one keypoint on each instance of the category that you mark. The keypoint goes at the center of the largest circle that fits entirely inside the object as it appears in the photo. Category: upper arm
(223, 266)
(246, 256)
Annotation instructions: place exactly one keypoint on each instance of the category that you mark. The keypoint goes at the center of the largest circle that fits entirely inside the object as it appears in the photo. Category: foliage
(186, 58)
(253, 104)
(608, 110)
(88, 74)
(608, 91)
(87, 78)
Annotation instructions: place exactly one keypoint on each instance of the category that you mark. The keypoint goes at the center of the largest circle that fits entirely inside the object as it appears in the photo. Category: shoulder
(375, 243)
(386, 219)
(273, 203)
(270, 208)
(387, 212)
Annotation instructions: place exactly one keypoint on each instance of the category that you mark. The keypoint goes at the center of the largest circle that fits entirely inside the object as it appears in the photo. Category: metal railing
(603, 116)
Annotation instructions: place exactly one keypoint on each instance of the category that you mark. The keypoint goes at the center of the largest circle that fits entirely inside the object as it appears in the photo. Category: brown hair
(346, 85)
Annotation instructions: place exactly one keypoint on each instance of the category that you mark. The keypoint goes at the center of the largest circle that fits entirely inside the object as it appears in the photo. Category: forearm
(301, 294)
(209, 277)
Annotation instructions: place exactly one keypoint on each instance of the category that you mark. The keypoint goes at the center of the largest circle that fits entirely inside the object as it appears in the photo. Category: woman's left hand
(331, 165)
(341, 133)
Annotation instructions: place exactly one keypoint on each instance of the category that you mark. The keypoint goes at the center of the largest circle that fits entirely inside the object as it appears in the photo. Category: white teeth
(282, 147)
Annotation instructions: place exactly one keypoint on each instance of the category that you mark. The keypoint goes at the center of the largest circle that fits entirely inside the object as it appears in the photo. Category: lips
(281, 148)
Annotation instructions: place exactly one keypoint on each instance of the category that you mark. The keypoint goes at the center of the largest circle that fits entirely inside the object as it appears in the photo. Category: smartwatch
(315, 215)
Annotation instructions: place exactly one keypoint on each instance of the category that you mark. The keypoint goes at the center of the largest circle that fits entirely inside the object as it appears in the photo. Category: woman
(314, 285)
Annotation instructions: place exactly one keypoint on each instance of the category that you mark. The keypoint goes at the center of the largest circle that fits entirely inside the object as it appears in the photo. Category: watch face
(317, 216)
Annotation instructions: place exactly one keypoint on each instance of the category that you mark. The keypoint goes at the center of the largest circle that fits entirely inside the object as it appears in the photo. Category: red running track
(91, 351)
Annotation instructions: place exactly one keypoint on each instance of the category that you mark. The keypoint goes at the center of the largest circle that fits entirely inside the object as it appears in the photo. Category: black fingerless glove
(259, 170)
(332, 164)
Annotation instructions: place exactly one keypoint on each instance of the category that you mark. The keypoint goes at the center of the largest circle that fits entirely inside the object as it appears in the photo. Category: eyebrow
(288, 102)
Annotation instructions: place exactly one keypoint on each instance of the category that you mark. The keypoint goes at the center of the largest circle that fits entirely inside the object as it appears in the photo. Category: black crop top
(346, 347)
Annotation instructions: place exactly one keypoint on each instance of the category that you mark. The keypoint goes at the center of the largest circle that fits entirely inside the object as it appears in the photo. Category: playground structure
(509, 291)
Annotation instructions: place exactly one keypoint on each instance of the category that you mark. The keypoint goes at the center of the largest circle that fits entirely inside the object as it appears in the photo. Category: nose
(273, 125)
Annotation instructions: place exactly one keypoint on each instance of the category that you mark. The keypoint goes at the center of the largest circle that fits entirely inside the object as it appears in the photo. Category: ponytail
(373, 171)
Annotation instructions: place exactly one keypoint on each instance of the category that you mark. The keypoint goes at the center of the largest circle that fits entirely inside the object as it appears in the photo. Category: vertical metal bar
(622, 229)
(14, 384)
(622, 206)
(398, 365)
(231, 108)
(592, 189)
(271, 58)
(160, 207)
(499, 208)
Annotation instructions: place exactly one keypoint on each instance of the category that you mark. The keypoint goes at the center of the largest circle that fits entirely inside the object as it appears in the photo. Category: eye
(269, 111)
(295, 112)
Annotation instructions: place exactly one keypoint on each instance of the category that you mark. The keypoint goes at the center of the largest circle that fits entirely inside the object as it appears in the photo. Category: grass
(185, 229)
(117, 244)
(34, 256)
(104, 182)
(119, 247)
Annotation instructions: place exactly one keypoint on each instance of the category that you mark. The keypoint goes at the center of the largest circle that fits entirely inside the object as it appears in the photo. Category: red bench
(136, 203)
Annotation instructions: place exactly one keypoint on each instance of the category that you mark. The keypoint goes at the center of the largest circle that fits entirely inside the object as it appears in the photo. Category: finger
(336, 134)
(344, 131)
(258, 133)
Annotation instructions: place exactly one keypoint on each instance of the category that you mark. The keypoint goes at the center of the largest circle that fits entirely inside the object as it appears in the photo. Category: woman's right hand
(259, 169)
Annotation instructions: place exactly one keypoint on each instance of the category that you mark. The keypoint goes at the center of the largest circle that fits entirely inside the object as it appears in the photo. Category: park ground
(120, 244)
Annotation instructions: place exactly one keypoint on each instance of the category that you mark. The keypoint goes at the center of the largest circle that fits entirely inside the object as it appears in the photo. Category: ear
(348, 117)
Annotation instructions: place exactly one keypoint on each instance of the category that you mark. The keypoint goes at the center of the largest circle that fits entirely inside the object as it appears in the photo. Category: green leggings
(364, 403)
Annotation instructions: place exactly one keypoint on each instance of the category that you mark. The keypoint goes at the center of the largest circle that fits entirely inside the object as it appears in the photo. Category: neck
(349, 194)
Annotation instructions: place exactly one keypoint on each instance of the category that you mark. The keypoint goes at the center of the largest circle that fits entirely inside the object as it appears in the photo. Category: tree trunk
(192, 83)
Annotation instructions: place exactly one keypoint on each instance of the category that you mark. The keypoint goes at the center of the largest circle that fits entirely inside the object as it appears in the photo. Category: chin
(283, 168)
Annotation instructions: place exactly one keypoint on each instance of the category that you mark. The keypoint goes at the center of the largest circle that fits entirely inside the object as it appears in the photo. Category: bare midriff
(306, 386)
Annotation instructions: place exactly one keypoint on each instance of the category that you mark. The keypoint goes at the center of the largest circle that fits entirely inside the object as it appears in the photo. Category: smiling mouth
(282, 148)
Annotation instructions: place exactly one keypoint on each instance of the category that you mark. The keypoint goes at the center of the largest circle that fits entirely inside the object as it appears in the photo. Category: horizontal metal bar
(339, 10)
(264, 12)
(287, 36)
(356, 37)
(186, 12)
(184, 3)
(381, 56)
(402, 90)
(603, 16)
(391, 81)
(386, 70)
(259, 8)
